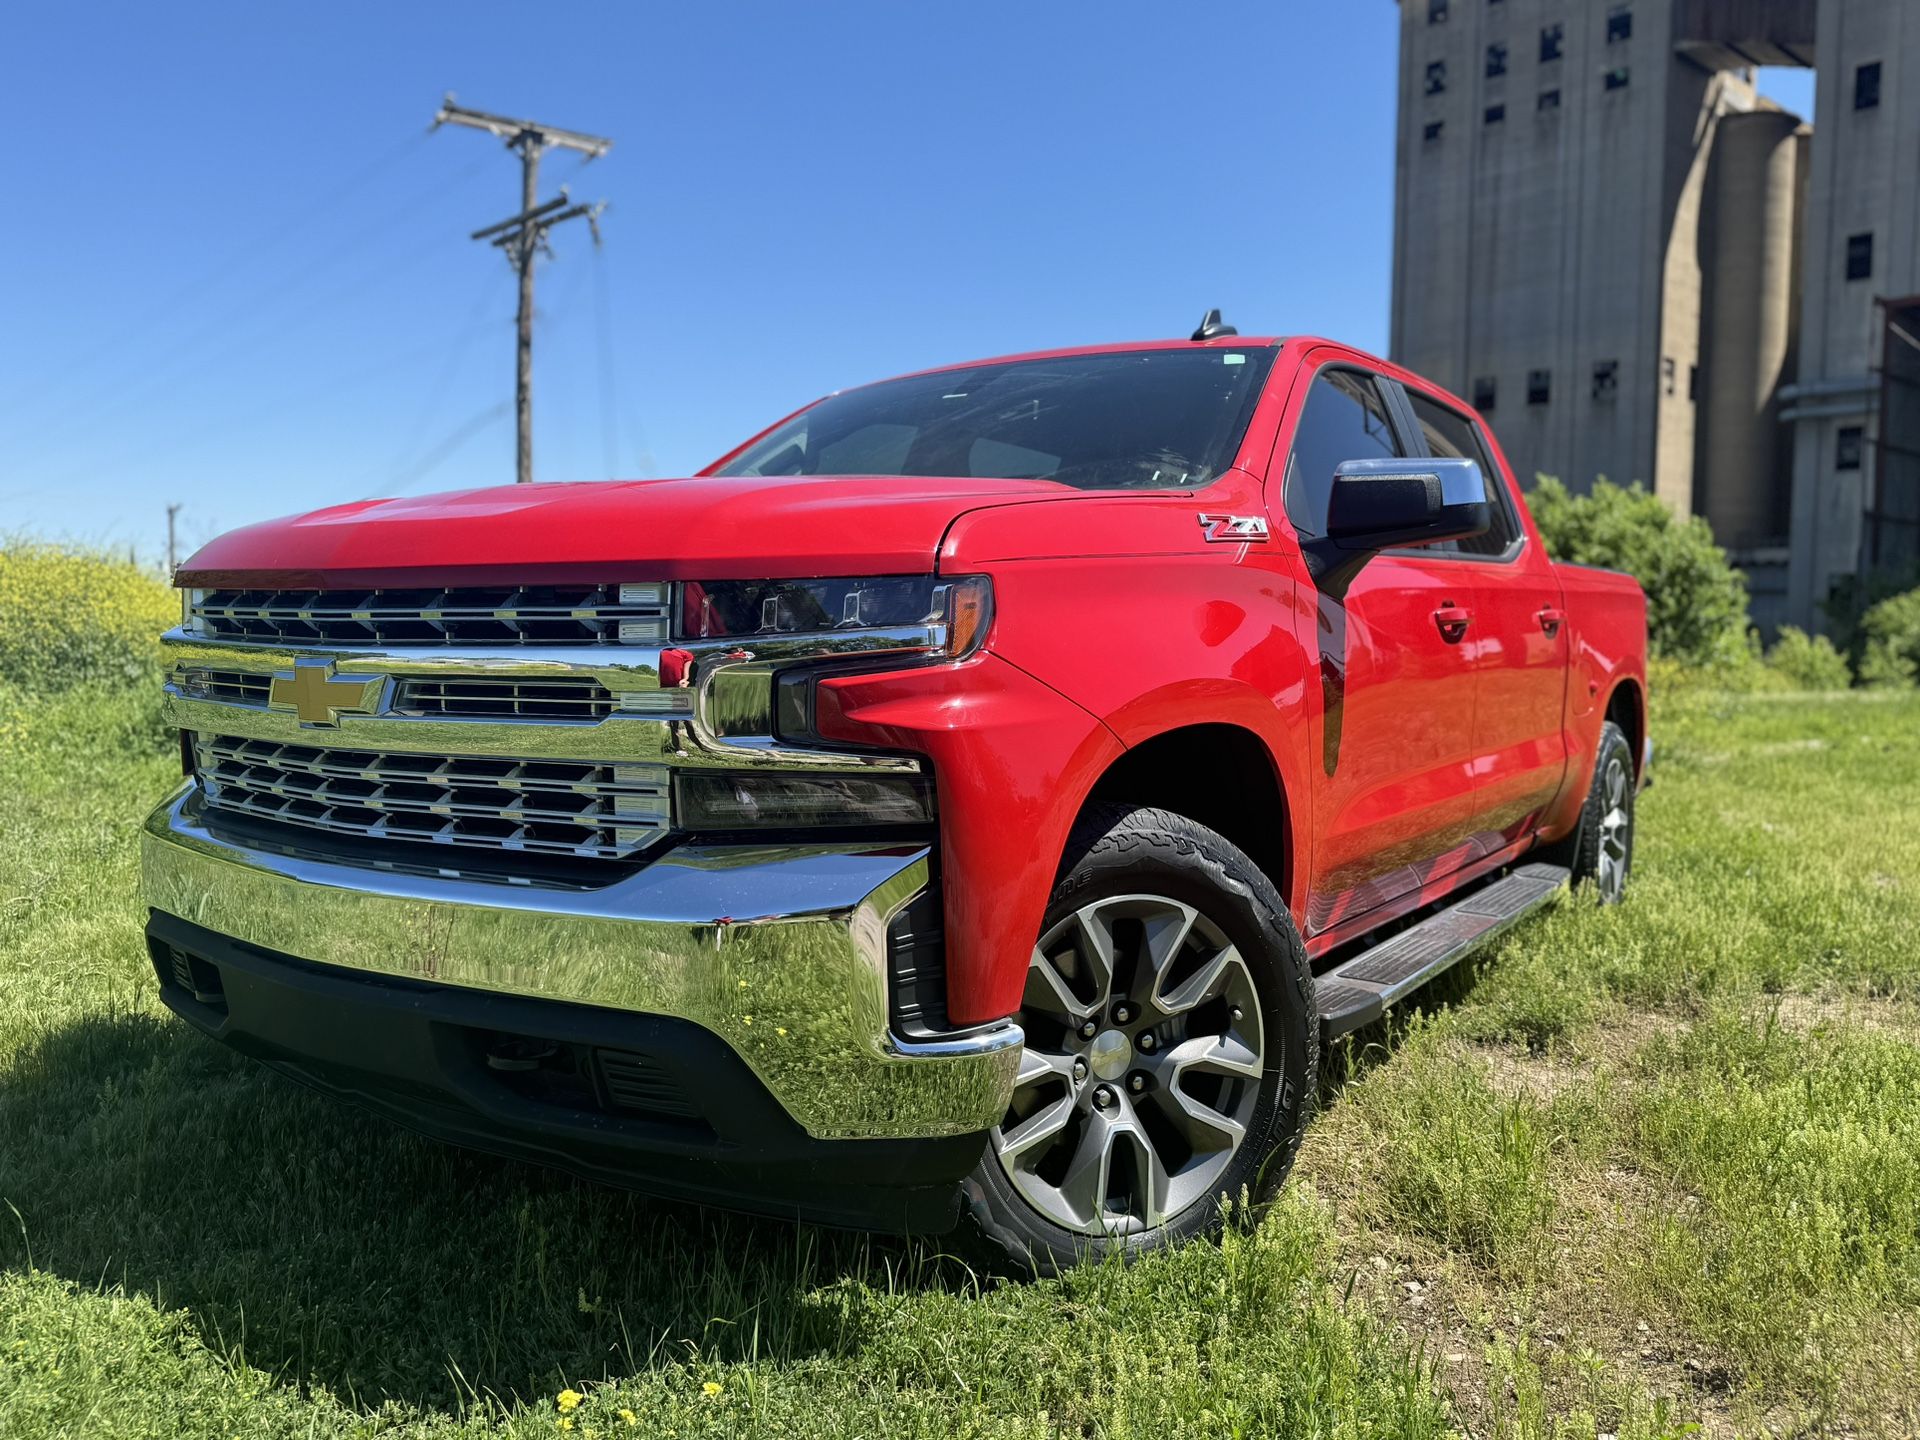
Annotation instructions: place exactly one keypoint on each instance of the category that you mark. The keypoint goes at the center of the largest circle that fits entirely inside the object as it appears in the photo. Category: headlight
(719, 609)
(769, 800)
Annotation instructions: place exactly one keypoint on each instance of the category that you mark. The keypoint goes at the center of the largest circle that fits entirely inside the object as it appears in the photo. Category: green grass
(1636, 1170)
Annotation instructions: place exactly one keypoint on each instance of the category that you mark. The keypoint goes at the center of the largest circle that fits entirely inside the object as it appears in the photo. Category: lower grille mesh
(550, 807)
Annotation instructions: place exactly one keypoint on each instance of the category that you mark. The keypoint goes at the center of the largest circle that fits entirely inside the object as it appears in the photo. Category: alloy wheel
(1141, 1072)
(1616, 829)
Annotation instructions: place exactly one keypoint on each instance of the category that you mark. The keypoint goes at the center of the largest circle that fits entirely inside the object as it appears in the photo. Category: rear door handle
(1551, 619)
(1453, 621)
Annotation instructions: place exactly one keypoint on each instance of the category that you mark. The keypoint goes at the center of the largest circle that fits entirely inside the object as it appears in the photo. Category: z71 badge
(1233, 529)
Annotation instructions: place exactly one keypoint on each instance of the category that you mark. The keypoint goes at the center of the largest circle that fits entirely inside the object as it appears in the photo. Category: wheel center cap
(1109, 1054)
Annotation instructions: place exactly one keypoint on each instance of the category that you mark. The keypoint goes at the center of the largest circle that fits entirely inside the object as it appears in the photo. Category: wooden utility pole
(524, 236)
(172, 554)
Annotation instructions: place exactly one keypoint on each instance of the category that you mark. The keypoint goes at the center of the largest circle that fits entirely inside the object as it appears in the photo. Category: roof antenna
(1212, 327)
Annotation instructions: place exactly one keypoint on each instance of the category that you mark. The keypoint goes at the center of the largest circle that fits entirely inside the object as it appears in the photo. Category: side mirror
(1376, 505)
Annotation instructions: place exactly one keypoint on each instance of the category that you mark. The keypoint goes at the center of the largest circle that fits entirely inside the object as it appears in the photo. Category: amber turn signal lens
(969, 612)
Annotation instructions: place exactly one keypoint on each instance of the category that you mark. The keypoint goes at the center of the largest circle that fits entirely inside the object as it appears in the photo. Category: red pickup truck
(982, 793)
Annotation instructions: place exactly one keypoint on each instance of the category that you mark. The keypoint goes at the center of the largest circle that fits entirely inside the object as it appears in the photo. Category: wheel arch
(1627, 708)
(1218, 774)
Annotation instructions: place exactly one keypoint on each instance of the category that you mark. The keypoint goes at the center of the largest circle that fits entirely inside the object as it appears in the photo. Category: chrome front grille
(548, 807)
(630, 614)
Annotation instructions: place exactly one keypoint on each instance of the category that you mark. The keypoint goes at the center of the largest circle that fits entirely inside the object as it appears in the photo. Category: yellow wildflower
(743, 984)
(746, 1019)
(565, 1422)
(568, 1400)
(781, 1031)
(627, 1417)
(711, 1389)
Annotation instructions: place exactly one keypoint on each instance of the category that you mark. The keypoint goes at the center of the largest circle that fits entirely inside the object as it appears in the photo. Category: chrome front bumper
(778, 950)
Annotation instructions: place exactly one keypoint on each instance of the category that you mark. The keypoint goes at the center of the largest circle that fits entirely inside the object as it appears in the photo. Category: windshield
(1138, 419)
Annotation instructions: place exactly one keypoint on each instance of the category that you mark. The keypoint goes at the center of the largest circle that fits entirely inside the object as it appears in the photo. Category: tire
(1600, 850)
(1198, 1078)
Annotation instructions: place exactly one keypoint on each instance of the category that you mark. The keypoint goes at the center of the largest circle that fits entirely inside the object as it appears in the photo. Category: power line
(436, 392)
(216, 338)
(224, 418)
(603, 336)
(241, 254)
(617, 420)
(448, 445)
(524, 237)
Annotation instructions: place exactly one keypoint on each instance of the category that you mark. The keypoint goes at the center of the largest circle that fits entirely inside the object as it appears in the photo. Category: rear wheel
(1171, 1046)
(1600, 850)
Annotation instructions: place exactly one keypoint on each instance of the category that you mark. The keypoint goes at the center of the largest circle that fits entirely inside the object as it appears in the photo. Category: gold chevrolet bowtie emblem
(313, 693)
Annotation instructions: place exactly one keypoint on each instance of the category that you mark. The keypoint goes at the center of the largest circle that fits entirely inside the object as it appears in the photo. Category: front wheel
(1171, 1047)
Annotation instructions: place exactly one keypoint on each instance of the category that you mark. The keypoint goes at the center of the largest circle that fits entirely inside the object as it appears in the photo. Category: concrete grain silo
(1749, 326)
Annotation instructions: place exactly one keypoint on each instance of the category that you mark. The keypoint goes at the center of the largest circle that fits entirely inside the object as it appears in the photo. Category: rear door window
(1447, 433)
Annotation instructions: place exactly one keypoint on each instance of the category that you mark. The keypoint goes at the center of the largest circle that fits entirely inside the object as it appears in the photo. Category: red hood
(736, 528)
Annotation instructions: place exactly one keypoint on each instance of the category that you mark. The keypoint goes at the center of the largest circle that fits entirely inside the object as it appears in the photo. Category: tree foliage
(69, 616)
(1808, 662)
(1696, 600)
(1891, 630)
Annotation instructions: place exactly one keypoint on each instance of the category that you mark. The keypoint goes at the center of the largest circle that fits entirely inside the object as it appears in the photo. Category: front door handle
(1453, 621)
(1551, 619)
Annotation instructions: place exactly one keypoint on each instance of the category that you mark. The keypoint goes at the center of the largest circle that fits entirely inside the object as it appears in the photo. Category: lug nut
(1235, 1012)
(1122, 1014)
(1136, 1082)
(1088, 1030)
(1079, 1071)
(1103, 1098)
(1146, 1042)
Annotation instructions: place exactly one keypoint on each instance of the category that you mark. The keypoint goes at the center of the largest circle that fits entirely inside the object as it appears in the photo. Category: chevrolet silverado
(981, 794)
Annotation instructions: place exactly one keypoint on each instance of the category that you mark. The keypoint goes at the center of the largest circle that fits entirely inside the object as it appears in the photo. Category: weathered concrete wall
(1562, 237)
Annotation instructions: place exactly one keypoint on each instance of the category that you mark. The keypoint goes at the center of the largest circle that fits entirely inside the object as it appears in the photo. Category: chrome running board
(1358, 991)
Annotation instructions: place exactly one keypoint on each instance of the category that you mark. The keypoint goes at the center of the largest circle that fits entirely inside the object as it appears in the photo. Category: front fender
(1154, 644)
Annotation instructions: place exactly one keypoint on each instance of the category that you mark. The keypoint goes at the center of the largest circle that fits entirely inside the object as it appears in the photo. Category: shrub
(70, 616)
(1696, 600)
(1808, 662)
(1891, 630)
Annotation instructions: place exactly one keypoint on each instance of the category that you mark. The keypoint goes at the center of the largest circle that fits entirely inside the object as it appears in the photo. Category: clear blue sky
(238, 274)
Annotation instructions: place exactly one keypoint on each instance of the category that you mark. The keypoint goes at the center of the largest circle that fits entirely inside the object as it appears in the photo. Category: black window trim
(1404, 419)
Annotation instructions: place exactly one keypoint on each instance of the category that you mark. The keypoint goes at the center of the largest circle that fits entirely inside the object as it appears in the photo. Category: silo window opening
(1866, 87)
(1860, 257)
(1849, 447)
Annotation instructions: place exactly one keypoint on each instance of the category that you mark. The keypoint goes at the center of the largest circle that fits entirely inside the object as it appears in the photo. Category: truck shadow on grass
(333, 1249)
